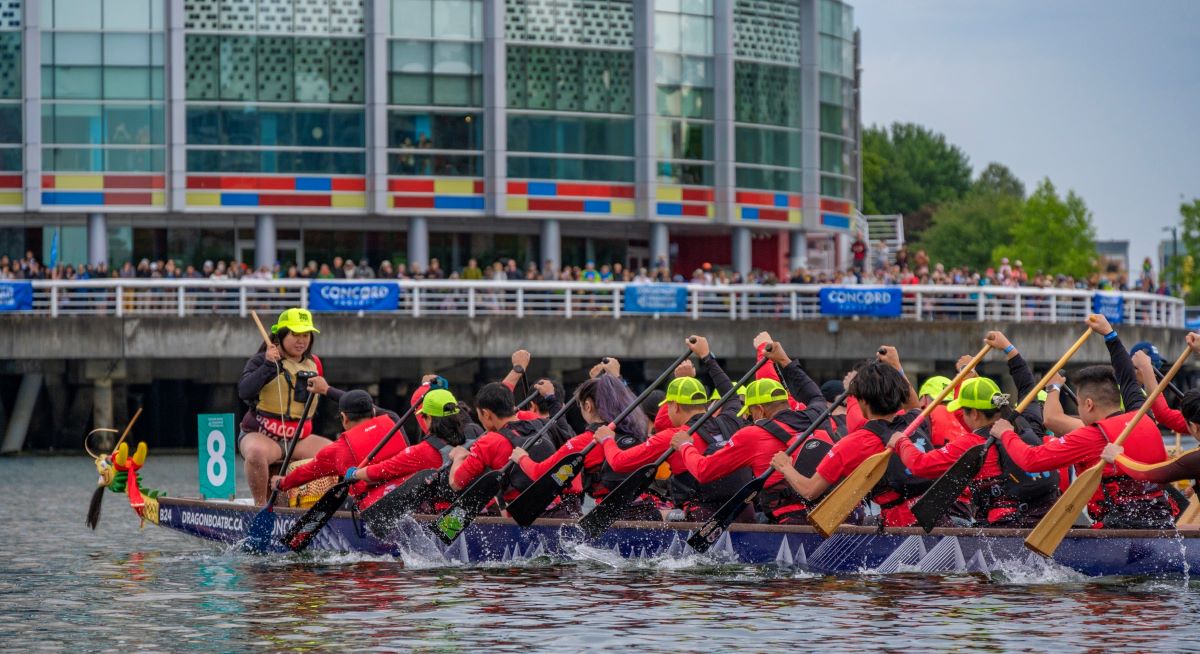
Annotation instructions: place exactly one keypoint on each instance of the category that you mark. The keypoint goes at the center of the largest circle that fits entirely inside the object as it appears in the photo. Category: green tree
(1189, 236)
(911, 167)
(997, 178)
(1053, 235)
(967, 231)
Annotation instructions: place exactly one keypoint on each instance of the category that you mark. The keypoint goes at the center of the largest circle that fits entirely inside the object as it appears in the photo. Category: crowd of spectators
(869, 265)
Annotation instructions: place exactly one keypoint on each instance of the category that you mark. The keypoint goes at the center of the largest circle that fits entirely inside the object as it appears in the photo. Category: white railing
(198, 297)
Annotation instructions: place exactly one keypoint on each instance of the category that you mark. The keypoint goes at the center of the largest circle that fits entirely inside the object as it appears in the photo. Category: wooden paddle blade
(258, 536)
(710, 531)
(1190, 515)
(466, 508)
(832, 511)
(532, 502)
(382, 516)
(944, 492)
(304, 530)
(1048, 533)
(613, 506)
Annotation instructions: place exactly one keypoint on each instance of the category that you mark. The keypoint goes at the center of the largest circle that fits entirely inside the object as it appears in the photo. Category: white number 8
(216, 458)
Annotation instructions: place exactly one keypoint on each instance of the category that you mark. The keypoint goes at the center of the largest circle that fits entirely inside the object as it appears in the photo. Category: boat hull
(852, 550)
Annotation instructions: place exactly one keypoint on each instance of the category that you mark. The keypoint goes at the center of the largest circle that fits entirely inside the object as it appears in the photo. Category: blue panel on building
(597, 206)
(749, 213)
(63, 197)
(239, 199)
(670, 209)
(835, 221)
(457, 202)
(541, 188)
(781, 200)
(314, 184)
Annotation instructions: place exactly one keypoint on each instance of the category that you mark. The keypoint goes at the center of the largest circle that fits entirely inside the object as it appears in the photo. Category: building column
(31, 82)
(376, 97)
(741, 251)
(645, 111)
(18, 425)
(102, 402)
(176, 80)
(418, 242)
(495, 100)
(660, 245)
(810, 113)
(97, 238)
(725, 177)
(798, 252)
(264, 241)
(551, 246)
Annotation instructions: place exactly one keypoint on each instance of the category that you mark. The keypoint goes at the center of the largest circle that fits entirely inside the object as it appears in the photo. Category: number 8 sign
(216, 455)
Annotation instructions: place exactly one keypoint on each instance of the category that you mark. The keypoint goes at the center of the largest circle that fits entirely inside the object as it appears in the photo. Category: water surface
(63, 586)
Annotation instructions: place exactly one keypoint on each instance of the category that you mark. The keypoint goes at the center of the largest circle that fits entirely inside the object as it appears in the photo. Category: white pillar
(798, 252)
(741, 251)
(18, 426)
(495, 102)
(264, 241)
(551, 245)
(418, 242)
(660, 244)
(645, 111)
(97, 239)
(102, 402)
(723, 111)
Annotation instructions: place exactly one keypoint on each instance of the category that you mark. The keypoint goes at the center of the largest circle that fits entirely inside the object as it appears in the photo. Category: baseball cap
(1150, 350)
(831, 389)
(976, 393)
(763, 391)
(933, 386)
(439, 403)
(685, 390)
(356, 401)
(297, 321)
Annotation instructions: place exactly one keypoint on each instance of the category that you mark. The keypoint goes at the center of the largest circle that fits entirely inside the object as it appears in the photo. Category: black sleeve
(724, 385)
(255, 375)
(1023, 377)
(802, 387)
(561, 431)
(1131, 391)
(336, 394)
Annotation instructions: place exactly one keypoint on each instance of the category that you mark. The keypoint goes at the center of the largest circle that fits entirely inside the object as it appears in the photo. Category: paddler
(685, 401)
(888, 403)
(497, 412)
(363, 425)
(1002, 494)
(944, 422)
(775, 423)
(447, 423)
(1121, 502)
(275, 382)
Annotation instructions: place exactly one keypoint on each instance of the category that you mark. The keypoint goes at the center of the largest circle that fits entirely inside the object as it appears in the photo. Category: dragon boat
(852, 550)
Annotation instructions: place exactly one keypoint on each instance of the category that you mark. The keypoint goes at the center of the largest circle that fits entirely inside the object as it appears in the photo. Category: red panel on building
(203, 182)
(550, 204)
(698, 195)
(518, 188)
(412, 202)
(127, 198)
(410, 185)
(349, 184)
(836, 206)
(293, 200)
(10, 181)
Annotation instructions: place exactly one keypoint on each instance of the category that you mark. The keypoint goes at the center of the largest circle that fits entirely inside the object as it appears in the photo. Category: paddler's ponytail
(610, 396)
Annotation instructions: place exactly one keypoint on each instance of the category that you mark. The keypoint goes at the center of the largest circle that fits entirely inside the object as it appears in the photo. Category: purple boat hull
(852, 550)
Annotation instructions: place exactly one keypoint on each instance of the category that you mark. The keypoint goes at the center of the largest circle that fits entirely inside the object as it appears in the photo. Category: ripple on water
(65, 587)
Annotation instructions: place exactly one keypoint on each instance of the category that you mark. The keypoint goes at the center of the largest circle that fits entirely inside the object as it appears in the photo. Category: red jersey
(751, 446)
(1168, 417)
(849, 453)
(346, 452)
(394, 471)
(594, 459)
(626, 461)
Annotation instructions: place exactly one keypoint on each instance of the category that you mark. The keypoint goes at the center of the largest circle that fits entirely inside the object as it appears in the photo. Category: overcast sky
(1101, 96)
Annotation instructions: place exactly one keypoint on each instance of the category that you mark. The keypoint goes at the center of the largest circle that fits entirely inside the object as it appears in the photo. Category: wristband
(1053, 388)
(1010, 348)
(1111, 336)
(350, 473)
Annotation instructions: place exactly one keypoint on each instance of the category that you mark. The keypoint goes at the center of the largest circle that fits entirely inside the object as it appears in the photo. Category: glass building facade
(660, 124)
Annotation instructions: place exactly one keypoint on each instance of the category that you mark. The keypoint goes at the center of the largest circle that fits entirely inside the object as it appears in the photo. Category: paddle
(938, 499)
(525, 402)
(711, 530)
(93, 514)
(1048, 533)
(1158, 375)
(470, 502)
(532, 502)
(609, 509)
(310, 524)
(832, 511)
(258, 536)
(381, 517)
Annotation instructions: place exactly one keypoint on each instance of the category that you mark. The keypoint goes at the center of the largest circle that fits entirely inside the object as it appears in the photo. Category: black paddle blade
(532, 502)
(934, 503)
(710, 531)
(93, 514)
(382, 516)
(610, 509)
(310, 524)
(466, 508)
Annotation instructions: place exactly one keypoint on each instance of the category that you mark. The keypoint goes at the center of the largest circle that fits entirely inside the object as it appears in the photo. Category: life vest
(898, 483)
(840, 427)
(780, 499)
(685, 488)
(598, 482)
(281, 421)
(1143, 444)
(517, 432)
(1014, 491)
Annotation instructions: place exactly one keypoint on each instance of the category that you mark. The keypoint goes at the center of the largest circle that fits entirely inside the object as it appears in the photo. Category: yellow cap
(933, 386)
(685, 390)
(763, 391)
(297, 321)
(976, 393)
(439, 403)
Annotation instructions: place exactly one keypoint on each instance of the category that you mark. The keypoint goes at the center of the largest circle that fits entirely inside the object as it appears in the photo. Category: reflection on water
(62, 586)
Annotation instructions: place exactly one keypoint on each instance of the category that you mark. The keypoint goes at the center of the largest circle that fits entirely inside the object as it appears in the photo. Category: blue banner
(878, 301)
(656, 298)
(216, 455)
(16, 296)
(1109, 305)
(353, 296)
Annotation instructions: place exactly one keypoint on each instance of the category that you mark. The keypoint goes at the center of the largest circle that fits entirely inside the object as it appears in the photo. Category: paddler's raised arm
(1131, 393)
(797, 382)
(1022, 376)
(889, 355)
(520, 362)
(259, 370)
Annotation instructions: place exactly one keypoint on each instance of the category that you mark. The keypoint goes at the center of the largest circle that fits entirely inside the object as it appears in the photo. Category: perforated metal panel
(583, 22)
(767, 30)
(10, 65)
(10, 14)
(570, 80)
(766, 94)
(307, 17)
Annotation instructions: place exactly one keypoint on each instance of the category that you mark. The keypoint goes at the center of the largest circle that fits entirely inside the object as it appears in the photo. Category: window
(674, 172)
(442, 19)
(835, 156)
(769, 179)
(10, 123)
(453, 165)
(563, 168)
(600, 136)
(769, 147)
(570, 80)
(684, 140)
(435, 131)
